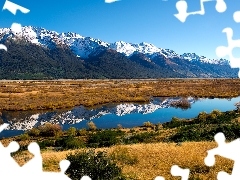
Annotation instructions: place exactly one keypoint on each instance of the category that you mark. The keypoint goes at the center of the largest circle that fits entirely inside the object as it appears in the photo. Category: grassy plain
(32, 95)
(153, 158)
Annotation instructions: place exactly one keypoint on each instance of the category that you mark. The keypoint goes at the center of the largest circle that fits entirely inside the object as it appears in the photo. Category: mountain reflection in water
(108, 116)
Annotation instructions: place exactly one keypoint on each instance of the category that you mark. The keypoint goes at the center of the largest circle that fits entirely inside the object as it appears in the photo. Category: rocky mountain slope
(37, 53)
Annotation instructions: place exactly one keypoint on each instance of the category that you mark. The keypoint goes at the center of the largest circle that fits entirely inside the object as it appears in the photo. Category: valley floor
(143, 152)
(56, 94)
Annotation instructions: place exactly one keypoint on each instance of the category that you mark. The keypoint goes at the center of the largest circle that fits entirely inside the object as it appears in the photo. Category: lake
(158, 110)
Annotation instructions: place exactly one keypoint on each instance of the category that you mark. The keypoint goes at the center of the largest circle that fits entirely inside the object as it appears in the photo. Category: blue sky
(135, 21)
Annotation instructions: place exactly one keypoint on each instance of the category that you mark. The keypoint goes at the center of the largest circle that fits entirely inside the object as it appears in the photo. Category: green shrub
(158, 126)
(148, 124)
(97, 166)
(216, 112)
(82, 132)
(176, 122)
(33, 132)
(202, 116)
(69, 143)
(206, 132)
(24, 137)
(140, 137)
(72, 131)
(46, 143)
(104, 138)
(132, 131)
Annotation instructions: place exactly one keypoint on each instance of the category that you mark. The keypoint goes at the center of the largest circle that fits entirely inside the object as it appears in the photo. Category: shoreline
(148, 150)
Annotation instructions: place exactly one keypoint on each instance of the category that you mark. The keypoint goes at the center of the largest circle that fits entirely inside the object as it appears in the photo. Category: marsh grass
(32, 95)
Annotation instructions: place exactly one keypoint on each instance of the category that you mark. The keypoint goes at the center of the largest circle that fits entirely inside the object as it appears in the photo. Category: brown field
(154, 159)
(31, 95)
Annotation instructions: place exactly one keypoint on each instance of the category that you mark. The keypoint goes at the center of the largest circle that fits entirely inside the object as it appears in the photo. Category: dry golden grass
(27, 95)
(154, 159)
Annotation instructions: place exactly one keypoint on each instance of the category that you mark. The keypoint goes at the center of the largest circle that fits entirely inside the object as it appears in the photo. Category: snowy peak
(123, 47)
(84, 46)
(203, 59)
(148, 49)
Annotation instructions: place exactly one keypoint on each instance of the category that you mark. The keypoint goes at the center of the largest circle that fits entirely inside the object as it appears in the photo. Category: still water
(159, 110)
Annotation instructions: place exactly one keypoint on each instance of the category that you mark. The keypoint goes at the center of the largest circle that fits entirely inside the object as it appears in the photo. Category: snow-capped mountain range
(84, 46)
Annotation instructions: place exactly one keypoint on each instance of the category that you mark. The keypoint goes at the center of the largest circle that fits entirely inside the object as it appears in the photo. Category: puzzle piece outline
(33, 168)
(182, 7)
(177, 171)
(227, 150)
(13, 8)
(222, 51)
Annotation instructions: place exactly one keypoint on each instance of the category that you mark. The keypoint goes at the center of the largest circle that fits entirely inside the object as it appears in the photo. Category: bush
(69, 143)
(82, 132)
(158, 127)
(72, 131)
(216, 112)
(141, 137)
(122, 156)
(50, 130)
(24, 137)
(202, 117)
(148, 124)
(97, 166)
(176, 122)
(132, 131)
(33, 132)
(46, 143)
(206, 132)
(104, 138)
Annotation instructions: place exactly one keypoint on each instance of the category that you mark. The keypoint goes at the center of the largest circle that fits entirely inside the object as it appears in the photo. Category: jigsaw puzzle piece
(177, 171)
(222, 51)
(182, 7)
(182, 14)
(5, 154)
(9, 165)
(159, 178)
(12, 7)
(33, 168)
(236, 16)
(111, 1)
(35, 164)
(227, 150)
(221, 6)
(85, 178)
(16, 28)
(223, 176)
(2, 46)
